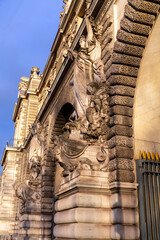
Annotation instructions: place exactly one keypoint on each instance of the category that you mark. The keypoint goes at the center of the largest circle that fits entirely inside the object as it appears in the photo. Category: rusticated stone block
(47, 194)
(122, 69)
(145, 6)
(124, 216)
(48, 188)
(121, 176)
(48, 178)
(121, 100)
(82, 231)
(49, 163)
(128, 49)
(121, 152)
(137, 16)
(122, 141)
(120, 120)
(121, 130)
(131, 38)
(120, 164)
(121, 110)
(122, 90)
(123, 200)
(47, 200)
(35, 224)
(125, 59)
(120, 231)
(47, 183)
(122, 80)
(135, 27)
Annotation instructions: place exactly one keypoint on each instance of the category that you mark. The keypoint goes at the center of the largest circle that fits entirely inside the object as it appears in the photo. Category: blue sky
(27, 31)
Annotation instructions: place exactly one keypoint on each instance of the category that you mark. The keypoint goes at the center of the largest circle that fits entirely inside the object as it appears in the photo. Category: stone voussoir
(136, 16)
(121, 110)
(122, 90)
(120, 120)
(122, 141)
(121, 131)
(133, 27)
(145, 6)
(121, 100)
(122, 80)
(122, 69)
(125, 59)
(129, 49)
(131, 38)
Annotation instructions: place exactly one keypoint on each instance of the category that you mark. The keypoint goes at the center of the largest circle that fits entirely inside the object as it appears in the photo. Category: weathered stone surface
(120, 164)
(122, 80)
(125, 216)
(122, 69)
(83, 215)
(83, 200)
(131, 38)
(135, 27)
(145, 6)
(122, 90)
(82, 231)
(124, 200)
(121, 131)
(47, 194)
(35, 224)
(137, 16)
(121, 100)
(120, 141)
(121, 152)
(122, 176)
(128, 49)
(48, 188)
(125, 59)
(119, 231)
(121, 110)
(120, 120)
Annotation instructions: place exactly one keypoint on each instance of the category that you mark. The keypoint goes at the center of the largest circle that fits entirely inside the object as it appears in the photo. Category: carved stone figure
(34, 169)
(83, 144)
(88, 65)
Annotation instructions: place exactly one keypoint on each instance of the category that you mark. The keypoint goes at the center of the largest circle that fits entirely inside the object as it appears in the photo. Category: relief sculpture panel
(83, 144)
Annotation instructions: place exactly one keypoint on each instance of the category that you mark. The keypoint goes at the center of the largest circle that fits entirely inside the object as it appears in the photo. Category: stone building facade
(79, 126)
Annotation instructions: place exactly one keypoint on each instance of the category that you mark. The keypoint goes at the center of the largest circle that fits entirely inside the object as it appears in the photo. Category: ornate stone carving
(83, 144)
(88, 66)
(28, 191)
